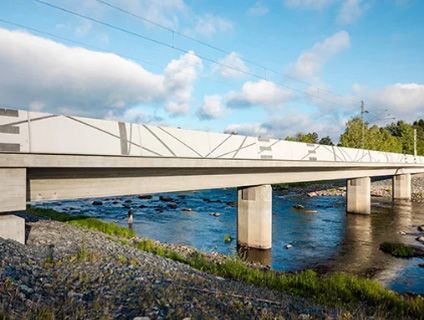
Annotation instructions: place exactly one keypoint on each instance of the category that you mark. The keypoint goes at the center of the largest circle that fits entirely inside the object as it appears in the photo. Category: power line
(158, 42)
(176, 32)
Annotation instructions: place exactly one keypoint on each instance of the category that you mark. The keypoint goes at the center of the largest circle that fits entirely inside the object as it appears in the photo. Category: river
(327, 241)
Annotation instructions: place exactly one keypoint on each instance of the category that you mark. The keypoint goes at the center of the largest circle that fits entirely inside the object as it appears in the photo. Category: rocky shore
(381, 188)
(65, 272)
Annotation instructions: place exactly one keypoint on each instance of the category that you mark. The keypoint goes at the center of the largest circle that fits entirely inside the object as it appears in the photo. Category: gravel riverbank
(65, 272)
(381, 188)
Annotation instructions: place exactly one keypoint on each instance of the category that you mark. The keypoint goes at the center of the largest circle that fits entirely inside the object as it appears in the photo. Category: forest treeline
(395, 137)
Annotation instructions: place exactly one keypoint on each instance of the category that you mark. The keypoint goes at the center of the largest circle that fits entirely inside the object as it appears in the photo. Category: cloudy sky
(257, 67)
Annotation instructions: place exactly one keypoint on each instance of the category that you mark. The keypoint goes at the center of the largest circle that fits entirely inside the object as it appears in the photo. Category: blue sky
(313, 62)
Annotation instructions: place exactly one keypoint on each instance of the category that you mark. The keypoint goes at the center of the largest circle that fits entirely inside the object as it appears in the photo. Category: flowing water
(327, 241)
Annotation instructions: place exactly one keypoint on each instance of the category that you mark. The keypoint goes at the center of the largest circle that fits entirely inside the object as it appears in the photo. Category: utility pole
(363, 111)
(415, 142)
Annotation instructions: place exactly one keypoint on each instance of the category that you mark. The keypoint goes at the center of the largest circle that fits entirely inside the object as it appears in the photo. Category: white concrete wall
(58, 134)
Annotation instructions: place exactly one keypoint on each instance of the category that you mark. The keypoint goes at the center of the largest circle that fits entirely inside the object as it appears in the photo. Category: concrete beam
(12, 227)
(254, 217)
(358, 195)
(401, 187)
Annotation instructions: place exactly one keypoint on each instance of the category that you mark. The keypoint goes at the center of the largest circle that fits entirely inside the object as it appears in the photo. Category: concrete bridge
(52, 157)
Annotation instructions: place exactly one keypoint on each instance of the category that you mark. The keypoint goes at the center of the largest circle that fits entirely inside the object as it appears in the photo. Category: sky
(263, 68)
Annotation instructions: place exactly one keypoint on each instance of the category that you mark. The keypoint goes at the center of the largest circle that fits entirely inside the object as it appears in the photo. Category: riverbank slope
(75, 271)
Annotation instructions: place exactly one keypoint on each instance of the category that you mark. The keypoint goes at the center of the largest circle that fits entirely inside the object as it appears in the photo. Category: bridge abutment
(254, 217)
(358, 195)
(401, 187)
(12, 198)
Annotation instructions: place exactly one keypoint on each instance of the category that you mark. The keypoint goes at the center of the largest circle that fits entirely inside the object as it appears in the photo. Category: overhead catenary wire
(208, 45)
(173, 47)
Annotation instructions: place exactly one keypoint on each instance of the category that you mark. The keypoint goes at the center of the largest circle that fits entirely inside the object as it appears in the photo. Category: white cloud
(260, 93)
(247, 129)
(180, 75)
(403, 100)
(258, 9)
(308, 4)
(234, 61)
(212, 108)
(50, 76)
(350, 11)
(311, 61)
(209, 25)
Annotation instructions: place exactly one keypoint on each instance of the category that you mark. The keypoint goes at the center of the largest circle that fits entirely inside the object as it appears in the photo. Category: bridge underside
(50, 177)
(41, 177)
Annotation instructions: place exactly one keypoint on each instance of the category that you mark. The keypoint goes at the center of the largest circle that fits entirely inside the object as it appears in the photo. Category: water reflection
(253, 255)
(328, 240)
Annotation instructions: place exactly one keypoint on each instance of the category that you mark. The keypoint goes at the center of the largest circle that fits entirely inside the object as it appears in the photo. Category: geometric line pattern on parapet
(160, 140)
(244, 147)
(9, 129)
(241, 145)
(32, 120)
(180, 141)
(219, 145)
(113, 135)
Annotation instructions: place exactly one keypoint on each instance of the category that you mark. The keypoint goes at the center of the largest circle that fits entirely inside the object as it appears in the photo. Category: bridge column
(12, 198)
(254, 217)
(358, 195)
(401, 187)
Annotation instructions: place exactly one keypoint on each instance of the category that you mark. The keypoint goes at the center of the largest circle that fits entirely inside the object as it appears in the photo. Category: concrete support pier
(254, 217)
(12, 198)
(402, 187)
(358, 195)
(12, 227)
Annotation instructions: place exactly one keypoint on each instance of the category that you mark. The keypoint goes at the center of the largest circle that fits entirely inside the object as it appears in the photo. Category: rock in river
(172, 205)
(145, 196)
(215, 214)
(97, 203)
(298, 206)
(165, 198)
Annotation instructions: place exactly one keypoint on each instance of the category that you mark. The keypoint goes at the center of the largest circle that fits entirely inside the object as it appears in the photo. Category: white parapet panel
(36, 132)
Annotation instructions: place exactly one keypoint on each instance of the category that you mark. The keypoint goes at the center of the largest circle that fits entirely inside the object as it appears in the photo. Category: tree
(306, 138)
(327, 141)
(352, 136)
(404, 132)
(375, 138)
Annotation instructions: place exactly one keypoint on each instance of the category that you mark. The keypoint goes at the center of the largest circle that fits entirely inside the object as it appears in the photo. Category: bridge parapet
(36, 132)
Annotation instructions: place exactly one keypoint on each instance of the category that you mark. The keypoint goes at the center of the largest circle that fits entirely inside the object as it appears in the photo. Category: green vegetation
(396, 137)
(397, 249)
(339, 290)
(82, 221)
(228, 238)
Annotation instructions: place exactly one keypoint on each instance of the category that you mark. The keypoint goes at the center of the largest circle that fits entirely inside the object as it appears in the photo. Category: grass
(82, 221)
(397, 249)
(334, 290)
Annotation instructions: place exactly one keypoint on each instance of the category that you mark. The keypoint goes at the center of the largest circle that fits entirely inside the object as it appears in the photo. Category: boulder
(298, 206)
(187, 209)
(165, 198)
(215, 214)
(421, 227)
(97, 203)
(288, 246)
(172, 205)
(145, 196)
(420, 239)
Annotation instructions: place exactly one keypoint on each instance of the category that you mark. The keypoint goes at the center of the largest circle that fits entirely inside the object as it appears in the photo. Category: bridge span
(52, 157)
